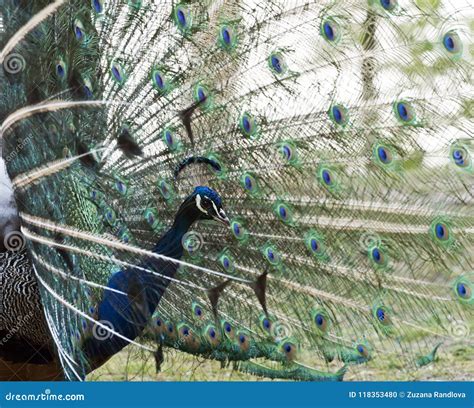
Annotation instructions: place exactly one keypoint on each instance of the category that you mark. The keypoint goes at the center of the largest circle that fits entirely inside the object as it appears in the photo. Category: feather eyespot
(87, 92)
(227, 329)
(384, 155)
(110, 216)
(441, 231)
(121, 187)
(170, 140)
(212, 335)
(404, 112)
(243, 341)
(248, 125)
(170, 329)
(383, 316)
(238, 230)
(339, 115)
(150, 218)
(330, 30)
(182, 18)
(389, 5)
(227, 38)
(98, 6)
(249, 183)
(87, 88)
(185, 331)
(463, 290)
(286, 152)
(460, 156)
(284, 213)
(124, 236)
(79, 30)
(326, 177)
(320, 320)
(363, 350)
(202, 96)
(271, 255)
(226, 262)
(377, 256)
(452, 43)
(197, 310)
(289, 349)
(276, 63)
(226, 35)
(159, 81)
(118, 73)
(315, 244)
(265, 323)
(61, 69)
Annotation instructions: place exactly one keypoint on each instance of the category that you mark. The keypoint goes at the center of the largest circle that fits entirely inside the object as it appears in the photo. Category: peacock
(283, 187)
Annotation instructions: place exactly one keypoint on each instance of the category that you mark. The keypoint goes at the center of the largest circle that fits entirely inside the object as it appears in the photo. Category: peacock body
(283, 186)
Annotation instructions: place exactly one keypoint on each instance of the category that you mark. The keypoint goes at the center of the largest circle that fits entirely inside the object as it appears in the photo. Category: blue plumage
(336, 133)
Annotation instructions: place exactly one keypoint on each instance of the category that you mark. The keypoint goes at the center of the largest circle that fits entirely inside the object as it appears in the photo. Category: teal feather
(341, 137)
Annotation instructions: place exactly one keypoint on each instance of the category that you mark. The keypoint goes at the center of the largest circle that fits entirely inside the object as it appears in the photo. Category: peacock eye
(206, 203)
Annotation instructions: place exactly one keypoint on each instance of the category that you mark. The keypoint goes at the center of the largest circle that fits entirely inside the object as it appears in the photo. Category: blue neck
(170, 243)
(129, 314)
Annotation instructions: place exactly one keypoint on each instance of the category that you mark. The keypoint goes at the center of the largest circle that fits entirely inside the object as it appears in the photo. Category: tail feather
(336, 134)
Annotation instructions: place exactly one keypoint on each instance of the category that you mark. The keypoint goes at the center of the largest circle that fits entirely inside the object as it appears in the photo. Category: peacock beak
(222, 218)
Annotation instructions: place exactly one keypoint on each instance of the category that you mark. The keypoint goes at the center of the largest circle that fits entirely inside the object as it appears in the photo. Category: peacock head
(207, 205)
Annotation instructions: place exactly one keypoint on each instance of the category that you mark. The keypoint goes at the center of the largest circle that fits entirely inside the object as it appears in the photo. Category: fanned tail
(336, 134)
